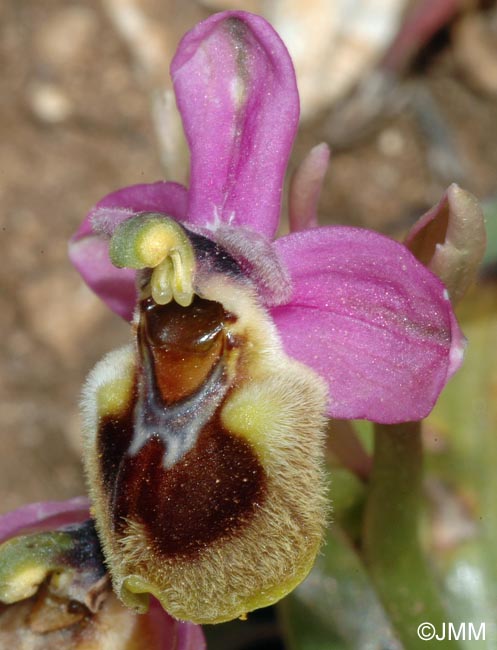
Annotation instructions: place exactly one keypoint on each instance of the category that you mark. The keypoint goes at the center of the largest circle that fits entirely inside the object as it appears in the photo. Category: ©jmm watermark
(452, 632)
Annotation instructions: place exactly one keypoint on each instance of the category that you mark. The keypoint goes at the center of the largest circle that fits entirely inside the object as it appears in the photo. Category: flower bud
(450, 240)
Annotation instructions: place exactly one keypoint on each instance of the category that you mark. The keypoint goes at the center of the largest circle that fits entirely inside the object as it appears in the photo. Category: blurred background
(404, 92)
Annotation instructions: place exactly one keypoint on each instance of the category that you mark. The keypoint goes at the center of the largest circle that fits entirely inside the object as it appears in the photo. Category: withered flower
(55, 591)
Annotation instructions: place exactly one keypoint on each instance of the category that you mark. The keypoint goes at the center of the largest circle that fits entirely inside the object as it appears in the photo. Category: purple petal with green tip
(236, 91)
(89, 247)
(369, 318)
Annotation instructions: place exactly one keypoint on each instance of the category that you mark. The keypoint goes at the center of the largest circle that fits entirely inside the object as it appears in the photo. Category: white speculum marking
(178, 425)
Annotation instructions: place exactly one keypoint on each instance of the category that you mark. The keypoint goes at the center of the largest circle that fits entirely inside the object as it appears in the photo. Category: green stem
(392, 548)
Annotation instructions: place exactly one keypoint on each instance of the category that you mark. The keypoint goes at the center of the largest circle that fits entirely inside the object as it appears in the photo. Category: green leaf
(336, 608)
(462, 438)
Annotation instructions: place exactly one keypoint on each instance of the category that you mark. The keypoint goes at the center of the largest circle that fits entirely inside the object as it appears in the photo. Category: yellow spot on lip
(114, 396)
(249, 415)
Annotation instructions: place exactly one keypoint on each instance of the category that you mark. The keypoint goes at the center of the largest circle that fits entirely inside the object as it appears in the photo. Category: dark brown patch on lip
(212, 492)
(215, 485)
(115, 434)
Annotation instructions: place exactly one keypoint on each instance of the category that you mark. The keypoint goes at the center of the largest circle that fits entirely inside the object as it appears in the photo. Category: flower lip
(188, 492)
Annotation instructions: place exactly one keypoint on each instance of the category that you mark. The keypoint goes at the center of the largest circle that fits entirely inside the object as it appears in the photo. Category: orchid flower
(204, 436)
(56, 590)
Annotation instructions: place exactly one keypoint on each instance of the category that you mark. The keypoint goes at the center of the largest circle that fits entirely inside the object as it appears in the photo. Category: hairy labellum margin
(204, 451)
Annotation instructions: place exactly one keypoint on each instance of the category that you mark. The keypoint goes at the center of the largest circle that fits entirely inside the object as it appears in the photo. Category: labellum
(203, 438)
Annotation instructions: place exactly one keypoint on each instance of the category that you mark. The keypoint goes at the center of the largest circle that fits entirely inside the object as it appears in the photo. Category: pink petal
(88, 249)
(116, 287)
(175, 635)
(424, 19)
(305, 188)
(50, 515)
(368, 317)
(236, 90)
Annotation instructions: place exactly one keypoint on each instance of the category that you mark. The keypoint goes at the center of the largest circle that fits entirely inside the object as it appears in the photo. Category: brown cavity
(184, 343)
(212, 492)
